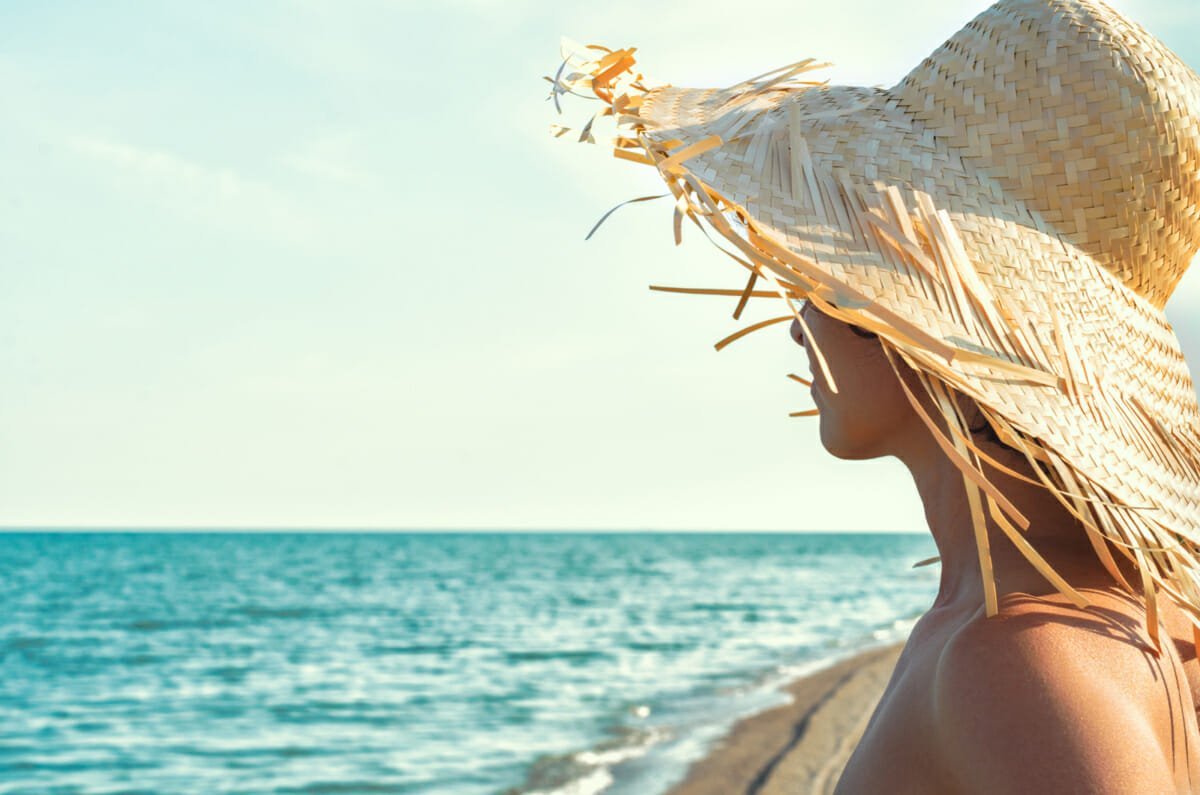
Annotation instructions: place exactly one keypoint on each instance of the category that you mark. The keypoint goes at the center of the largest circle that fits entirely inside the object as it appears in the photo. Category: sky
(322, 265)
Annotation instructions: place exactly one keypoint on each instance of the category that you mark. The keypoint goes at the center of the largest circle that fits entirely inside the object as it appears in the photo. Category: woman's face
(869, 414)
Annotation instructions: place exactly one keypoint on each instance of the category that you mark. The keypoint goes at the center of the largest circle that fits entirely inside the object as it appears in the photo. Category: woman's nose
(797, 332)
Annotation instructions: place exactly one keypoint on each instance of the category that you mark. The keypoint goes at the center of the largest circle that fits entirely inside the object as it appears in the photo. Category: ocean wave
(315, 663)
(344, 788)
(591, 783)
(589, 771)
(659, 645)
(265, 612)
(724, 607)
(149, 625)
(570, 655)
(439, 649)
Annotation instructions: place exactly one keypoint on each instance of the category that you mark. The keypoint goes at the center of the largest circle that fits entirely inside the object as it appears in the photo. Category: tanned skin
(1042, 698)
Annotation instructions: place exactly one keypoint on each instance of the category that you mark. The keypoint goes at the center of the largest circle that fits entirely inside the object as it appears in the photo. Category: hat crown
(1082, 116)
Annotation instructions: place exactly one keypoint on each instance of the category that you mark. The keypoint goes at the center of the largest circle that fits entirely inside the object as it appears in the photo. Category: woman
(1041, 698)
(980, 255)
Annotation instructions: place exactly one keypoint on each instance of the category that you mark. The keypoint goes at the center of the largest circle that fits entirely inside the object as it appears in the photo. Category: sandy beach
(799, 747)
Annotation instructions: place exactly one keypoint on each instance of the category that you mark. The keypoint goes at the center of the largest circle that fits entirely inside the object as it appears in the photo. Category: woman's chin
(832, 441)
(841, 445)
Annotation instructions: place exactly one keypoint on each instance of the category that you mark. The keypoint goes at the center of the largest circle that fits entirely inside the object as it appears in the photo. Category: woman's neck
(1053, 531)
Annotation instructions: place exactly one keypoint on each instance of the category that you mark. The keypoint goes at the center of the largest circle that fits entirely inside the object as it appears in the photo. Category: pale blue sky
(321, 264)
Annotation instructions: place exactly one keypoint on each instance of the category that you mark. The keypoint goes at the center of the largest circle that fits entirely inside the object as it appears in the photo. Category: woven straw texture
(1010, 218)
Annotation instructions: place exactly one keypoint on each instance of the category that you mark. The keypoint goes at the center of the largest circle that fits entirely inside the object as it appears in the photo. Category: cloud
(214, 193)
(350, 42)
(165, 167)
(332, 156)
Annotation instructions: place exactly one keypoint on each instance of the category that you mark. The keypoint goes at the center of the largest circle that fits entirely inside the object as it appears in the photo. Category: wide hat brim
(843, 195)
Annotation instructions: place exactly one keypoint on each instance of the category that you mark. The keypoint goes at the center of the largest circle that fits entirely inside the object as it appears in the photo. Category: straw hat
(1010, 219)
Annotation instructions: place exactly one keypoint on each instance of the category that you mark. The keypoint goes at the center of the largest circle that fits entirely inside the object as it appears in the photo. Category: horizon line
(324, 529)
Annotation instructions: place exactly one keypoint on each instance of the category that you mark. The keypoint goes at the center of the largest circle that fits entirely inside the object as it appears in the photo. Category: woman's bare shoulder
(1113, 622)
(1045, 697)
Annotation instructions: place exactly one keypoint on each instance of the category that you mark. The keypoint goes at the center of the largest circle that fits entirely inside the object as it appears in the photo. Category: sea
(449, 663)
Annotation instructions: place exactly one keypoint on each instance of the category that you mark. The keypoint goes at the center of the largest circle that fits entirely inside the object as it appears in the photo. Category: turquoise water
(412, 663)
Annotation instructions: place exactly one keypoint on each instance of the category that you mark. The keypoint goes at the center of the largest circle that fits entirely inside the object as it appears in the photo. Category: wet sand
(800, 747)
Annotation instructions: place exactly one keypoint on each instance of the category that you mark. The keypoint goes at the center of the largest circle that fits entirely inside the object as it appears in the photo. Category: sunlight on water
(308, 663)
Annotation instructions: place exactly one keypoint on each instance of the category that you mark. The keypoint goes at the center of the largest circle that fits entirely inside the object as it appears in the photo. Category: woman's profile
(976, 262)
(1041, 697)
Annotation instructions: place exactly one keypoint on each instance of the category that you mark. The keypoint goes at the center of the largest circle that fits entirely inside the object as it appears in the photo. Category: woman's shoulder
(1114, 621)
(1063, 698)
(1106, 644)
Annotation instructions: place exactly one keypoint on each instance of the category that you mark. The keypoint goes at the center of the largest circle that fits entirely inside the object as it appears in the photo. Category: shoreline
(801, 746)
